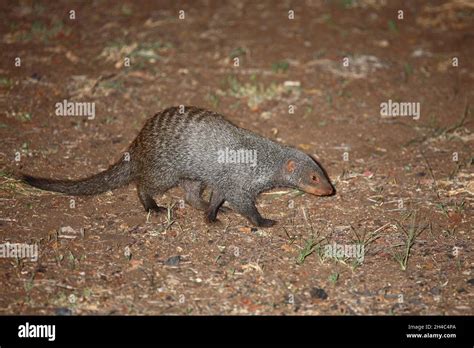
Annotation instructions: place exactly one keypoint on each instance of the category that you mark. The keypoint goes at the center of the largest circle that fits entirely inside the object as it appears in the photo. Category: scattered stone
(62, 311)
(382, 43)
(35, 76)
(68, 232)
(471, 281)
(127, 252)
(41, 269)
(318, 293)
(420, 52)
(415, 301)
(292, 84)
(173, 261)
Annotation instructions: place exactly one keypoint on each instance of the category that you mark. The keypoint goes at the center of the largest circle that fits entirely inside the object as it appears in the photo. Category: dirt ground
(404, 184)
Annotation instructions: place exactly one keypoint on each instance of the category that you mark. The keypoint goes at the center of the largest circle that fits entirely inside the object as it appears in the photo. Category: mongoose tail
(117, 175)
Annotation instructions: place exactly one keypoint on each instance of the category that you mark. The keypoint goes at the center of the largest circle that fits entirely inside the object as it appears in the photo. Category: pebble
(318, 293)
(173, 261)
(62, 311)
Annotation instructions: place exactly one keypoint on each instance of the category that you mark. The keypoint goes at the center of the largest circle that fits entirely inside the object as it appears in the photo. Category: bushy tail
(119, 174)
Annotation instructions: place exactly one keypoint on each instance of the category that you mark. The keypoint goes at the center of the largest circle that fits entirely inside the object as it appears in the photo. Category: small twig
(435, 184)
(460, 123)
(442, 131)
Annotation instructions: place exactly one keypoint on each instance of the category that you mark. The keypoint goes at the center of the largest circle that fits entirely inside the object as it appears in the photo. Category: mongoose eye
(315, 179)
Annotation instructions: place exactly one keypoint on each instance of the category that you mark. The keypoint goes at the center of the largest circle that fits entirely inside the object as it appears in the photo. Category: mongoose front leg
(216, 201)
(147, 200)
(246, 207)
(193, 192)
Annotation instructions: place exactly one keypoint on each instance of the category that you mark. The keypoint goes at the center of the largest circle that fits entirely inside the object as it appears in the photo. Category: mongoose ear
(290, 166)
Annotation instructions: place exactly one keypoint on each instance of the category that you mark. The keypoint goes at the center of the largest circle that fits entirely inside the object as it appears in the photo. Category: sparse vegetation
(43, 32)
(237, 52)
(402, 252)
(435, 131)
(281, 66)
(334, 277)
(256, 93)
(366, 238)
(213, 99)
(6, 82)
(308, 248)
(392, 27)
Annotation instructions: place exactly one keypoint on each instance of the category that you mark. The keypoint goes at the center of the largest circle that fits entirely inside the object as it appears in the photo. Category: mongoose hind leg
(193, 192)
(216, 201)
(245, 206)
(147, 200)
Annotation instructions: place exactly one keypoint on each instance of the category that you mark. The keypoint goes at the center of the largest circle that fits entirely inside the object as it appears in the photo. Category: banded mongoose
(190, 147)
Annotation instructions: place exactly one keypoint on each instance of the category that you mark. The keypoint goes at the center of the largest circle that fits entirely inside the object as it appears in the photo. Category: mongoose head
(304, 173)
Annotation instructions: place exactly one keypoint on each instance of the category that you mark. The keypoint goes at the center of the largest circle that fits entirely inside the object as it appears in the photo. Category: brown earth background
(404, 186)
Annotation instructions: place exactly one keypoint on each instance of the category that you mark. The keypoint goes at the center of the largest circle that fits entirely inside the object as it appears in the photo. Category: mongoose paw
(157, 210)
(212, 222)
(266, 223)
